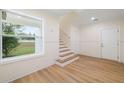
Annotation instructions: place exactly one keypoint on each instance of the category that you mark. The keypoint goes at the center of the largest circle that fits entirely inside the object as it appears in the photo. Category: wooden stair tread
(64, 50)
(70, 58)
(62, 47)
(66, 54)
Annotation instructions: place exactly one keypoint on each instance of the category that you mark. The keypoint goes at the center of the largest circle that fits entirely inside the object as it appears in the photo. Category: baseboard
(21, 76)
(99, 58)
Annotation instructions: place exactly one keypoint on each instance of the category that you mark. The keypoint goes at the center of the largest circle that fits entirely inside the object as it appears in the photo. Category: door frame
(118, 36)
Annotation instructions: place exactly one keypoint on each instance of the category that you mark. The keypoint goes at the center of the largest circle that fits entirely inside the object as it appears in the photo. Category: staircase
(66, 56)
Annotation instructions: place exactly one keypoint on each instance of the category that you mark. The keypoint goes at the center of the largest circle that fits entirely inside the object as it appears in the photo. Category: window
(19, 35)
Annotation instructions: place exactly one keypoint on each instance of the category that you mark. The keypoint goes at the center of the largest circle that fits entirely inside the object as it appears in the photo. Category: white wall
(90, 41)
(90, 38)
(74, 39)
(12, 71)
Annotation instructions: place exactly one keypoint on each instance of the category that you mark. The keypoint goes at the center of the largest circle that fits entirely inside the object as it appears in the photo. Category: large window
(19, 35)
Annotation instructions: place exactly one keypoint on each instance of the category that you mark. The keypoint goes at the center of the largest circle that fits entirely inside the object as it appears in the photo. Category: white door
(110, 43)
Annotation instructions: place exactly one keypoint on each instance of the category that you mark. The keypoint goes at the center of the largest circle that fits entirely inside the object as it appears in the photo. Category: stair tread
(62, 47)
(64, 50)
(65, 54)
(66, 57)
(70, 58)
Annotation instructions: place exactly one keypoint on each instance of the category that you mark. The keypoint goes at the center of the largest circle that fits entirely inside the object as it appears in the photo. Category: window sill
(19, 58)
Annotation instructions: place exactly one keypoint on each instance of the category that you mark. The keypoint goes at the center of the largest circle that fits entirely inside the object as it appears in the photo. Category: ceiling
(84, 15)
(101, 14)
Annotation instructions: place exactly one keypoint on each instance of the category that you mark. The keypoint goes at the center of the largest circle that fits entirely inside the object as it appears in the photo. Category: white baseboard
(28, 73)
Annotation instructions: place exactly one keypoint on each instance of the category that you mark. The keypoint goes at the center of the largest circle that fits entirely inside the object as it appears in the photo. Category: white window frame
(22, 57)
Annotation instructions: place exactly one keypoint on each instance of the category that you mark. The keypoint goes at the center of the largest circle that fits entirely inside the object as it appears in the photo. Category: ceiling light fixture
(94, 19)
(18, 16)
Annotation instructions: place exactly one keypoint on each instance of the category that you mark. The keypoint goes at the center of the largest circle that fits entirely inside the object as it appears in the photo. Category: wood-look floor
(86, 69)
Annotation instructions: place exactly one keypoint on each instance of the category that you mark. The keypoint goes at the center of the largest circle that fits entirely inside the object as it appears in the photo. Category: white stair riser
(61, 42)
(66, 56)
(62, 46)
(66, 52)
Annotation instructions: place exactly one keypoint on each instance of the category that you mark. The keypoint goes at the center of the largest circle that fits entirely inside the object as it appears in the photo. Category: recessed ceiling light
(94, 19)
(18, 16)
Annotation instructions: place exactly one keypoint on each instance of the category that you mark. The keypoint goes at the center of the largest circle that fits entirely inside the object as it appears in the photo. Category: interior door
(110, 43)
